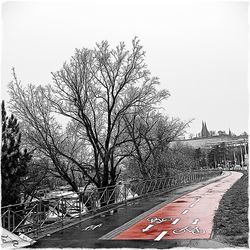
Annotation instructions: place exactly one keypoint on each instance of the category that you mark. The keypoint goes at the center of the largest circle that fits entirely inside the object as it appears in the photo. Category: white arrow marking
(99, 225)
(147, 228)
(175, 221)
(185, 211)
(192, 205)
(161, 235)
(195, 221)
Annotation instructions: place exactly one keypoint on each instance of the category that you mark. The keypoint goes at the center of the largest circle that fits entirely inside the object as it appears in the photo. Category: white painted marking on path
(185, 211)
(147, 228)
(198, 200)
(195, 221)
(161, 235)
(192, 205)
(175, 221)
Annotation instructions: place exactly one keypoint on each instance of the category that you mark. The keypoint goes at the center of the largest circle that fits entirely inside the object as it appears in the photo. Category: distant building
(205, 139)
(204, 130)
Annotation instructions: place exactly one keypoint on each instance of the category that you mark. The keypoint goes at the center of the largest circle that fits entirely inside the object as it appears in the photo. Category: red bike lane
(188, 217)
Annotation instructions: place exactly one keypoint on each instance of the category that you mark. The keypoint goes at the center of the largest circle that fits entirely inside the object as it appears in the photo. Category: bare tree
(37, 174)
(41, 130)
(94, 91)
(151, 134)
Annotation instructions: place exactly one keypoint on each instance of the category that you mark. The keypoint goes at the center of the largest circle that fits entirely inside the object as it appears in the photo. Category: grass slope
(231, 219)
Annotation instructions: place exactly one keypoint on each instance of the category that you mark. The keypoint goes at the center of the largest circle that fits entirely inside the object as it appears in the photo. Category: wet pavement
(188, 217)
(136, 225)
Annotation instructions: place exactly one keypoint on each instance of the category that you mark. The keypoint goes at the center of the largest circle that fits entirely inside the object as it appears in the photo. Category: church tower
(204, 130)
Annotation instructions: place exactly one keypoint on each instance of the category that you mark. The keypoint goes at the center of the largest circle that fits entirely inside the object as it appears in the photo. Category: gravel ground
(231, 219)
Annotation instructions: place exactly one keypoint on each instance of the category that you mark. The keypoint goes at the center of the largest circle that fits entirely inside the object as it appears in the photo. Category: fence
(37, 218)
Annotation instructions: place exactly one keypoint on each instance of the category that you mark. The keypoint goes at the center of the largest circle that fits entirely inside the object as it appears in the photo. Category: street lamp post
(234, 157)
(246, 154)
(241, 154)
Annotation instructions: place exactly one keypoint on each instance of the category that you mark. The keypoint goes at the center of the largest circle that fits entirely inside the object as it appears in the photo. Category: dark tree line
(14, 161)
(222, 155)
(21, 173)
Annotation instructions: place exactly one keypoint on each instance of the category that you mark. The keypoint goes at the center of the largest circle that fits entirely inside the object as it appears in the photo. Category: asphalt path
(188, 217)
(183, 217)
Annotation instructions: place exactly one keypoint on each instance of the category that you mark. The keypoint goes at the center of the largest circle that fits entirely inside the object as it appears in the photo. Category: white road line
(175, 221)
(185, 211)
(192, 205)
(161, 235)
(198, 200)
(195, 221)
(147, 228)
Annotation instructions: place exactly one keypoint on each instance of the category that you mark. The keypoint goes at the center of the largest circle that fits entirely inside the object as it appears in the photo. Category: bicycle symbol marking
(188, 229)
(156, 220)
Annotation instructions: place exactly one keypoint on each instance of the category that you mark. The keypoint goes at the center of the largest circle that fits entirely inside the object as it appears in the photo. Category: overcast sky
(198, 49)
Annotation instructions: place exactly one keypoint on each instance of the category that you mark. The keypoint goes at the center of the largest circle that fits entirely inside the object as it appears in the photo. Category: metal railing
(37, 218)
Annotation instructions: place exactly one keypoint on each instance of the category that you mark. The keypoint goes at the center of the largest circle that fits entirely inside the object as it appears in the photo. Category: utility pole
(225, 160)
(241, 154)
(234, 157)
(246, 154)
(215, 163)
